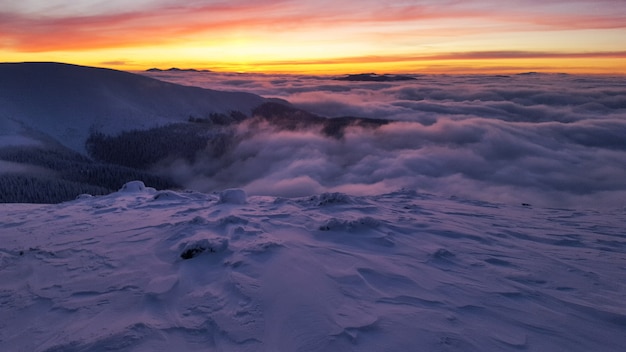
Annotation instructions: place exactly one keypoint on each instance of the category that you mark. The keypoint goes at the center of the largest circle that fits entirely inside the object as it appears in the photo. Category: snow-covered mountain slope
(141, 270)
(63, 102)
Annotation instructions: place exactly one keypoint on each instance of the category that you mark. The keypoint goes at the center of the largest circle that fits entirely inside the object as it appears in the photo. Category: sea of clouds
(542, 139)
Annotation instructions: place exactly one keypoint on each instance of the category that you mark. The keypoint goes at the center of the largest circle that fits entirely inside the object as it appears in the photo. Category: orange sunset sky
(323, 36)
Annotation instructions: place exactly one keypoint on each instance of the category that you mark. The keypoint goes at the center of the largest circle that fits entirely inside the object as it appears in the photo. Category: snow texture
(141, 270)
(135, 186)
(233, 196)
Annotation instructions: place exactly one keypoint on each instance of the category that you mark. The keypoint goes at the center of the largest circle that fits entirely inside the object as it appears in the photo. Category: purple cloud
(554, 140)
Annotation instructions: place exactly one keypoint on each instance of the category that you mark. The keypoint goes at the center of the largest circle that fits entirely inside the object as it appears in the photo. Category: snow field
(396, 272)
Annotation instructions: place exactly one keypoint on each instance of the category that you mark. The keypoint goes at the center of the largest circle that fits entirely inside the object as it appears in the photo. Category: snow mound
(163, 196)
(262, 244)
(124, 272)
(233, 196)
(231, 220)
(135, 186)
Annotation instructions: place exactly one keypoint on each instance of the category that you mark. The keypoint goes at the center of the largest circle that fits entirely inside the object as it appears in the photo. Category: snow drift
(147, 270)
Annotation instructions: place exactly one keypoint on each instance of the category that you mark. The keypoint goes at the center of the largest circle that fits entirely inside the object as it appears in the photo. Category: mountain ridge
(76, 129)
(65, 101)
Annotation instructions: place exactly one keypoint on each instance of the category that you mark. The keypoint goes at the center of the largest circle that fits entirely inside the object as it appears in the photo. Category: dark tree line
(290, 118)
(131, 155)
(19, 188)
(63, 174)
(220, 119)
(141, 149)
(49, 158)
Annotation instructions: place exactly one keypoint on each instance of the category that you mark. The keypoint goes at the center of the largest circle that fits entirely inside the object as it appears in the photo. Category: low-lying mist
(553, 140)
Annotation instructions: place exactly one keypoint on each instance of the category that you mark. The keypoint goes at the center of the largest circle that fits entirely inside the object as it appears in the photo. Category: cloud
(553, 140)
(114, 63)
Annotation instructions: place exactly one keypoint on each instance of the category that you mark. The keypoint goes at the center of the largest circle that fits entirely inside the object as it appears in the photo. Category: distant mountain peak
(373, 77)
(175, 69)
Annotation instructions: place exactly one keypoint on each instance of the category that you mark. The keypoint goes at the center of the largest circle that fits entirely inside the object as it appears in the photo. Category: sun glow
(315, 37)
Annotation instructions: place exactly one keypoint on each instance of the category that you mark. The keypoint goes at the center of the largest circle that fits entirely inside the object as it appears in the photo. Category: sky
(321, 37)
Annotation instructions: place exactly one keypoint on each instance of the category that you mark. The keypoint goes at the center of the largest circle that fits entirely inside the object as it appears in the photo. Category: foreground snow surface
(397, 272)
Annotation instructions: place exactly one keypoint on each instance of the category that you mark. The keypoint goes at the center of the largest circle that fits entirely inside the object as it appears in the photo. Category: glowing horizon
(321, 37)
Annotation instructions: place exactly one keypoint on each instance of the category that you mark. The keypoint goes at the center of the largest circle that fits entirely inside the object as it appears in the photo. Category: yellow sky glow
(323, 37)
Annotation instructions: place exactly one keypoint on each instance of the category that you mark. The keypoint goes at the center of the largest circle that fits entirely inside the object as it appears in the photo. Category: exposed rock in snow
(209, 245)
(334, 198)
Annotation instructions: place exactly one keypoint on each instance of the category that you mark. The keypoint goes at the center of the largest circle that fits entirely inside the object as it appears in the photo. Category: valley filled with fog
(549, 139)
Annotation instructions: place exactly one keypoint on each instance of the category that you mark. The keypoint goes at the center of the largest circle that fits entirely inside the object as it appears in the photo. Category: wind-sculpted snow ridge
(147, 270)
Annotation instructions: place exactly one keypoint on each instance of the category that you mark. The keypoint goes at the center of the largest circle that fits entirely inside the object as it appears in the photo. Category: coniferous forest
(53, 174)
(58, 174)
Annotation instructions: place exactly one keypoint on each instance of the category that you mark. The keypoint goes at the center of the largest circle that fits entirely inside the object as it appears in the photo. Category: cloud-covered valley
(550, 140)
(541, 139)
